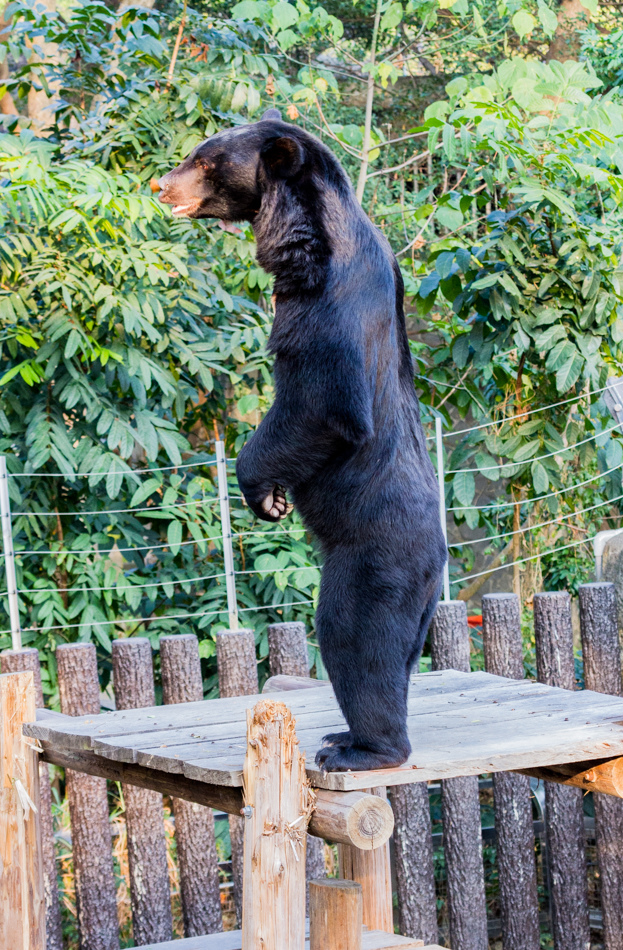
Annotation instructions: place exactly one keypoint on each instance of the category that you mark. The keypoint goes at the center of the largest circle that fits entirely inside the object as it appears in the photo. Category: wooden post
(18, 661)
(335, 915)
(22, 901)
(194, 824)
(503, 648)
(88, 808)
(564, 815)
(133, 675)
(413, 860)
(602, 673)
(237, 676)
(462, 835)
(278, 802)
(287, 656)
(371, 869)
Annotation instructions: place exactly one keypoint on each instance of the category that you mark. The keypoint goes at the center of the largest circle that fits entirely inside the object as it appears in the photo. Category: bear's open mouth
(185, 209)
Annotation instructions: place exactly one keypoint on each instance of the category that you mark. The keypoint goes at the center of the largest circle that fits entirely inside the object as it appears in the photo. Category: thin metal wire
(129, 472)
(111, 511)
(143, 547)
(531, 501)
(108, 623)
(533, 557)
(117, 587)
(542, 524)
(537, 458)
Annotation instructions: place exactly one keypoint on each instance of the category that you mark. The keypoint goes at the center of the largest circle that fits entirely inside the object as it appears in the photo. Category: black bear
(343, 439)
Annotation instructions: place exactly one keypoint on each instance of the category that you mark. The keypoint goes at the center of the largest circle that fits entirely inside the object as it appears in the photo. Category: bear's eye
(205, 164)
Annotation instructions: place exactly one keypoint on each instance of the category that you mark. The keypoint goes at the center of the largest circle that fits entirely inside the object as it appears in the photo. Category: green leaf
(174, 535)
(549, 20)
(523, 22)
(284, 15)
(392, 16)
(569, 373)
(464, 487)
(540, 479)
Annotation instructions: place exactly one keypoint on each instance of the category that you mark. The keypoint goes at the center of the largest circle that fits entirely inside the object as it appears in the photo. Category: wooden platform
(459, 723)
(371, 940)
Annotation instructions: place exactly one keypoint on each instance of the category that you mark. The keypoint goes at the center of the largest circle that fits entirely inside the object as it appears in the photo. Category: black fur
(343, 438)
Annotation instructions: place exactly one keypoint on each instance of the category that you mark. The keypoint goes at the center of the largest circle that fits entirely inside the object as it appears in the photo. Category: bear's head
(226, 175)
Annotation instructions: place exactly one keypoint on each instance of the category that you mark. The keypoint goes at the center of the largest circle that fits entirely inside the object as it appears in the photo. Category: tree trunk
(566, 42)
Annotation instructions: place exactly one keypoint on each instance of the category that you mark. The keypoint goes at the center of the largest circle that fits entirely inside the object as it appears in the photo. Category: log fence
(365, 891)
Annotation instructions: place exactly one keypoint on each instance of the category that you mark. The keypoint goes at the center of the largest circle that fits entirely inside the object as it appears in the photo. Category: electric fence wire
(533, 557)
(111, 511)
(108, 623)
(503, 419)
(126, 473)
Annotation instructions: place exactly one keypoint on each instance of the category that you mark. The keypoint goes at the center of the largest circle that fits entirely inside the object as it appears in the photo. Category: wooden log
(194, 824)
(600, 775)
(566, 853)
(22, 899)
(357, 818)
(287, 656)
(460, 801)
(602, 673)
(503, 649)
(335, 915)
(18, 661)
(278, 802)
(150, 897)
(237, 676)
(371, 869)
(88, 808)
(413, 861)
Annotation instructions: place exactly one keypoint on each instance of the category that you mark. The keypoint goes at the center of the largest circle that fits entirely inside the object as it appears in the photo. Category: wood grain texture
(96, 897)
(602, 673)
(133, 677)
(335, 915)
(194, 824)
(371, 940)
(279, 802)
(16, 661)
(564, 813)
(371, 869)
(502, 641)
(287, 657)
(413, 861)
(237, 676)
(460, 802)
(22, 900)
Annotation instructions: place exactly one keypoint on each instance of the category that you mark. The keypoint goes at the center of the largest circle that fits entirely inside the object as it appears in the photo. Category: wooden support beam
(237, 676)
(150, 898)
(335, 915)
(372, 870)
(514, 832)
(278, 802)
(566, 851)
(20, 661)
(22, 901)
(605, 775)
(355, 818)
(194, 825)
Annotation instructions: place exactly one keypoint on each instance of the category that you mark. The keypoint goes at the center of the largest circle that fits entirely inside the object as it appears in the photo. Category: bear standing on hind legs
(343, 439)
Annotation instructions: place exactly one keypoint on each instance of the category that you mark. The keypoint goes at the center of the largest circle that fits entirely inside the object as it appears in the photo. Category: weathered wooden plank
(371, 940)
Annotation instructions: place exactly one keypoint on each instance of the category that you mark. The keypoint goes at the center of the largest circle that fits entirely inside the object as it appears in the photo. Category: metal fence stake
(442, 503)
(228, 552)
(9, 556)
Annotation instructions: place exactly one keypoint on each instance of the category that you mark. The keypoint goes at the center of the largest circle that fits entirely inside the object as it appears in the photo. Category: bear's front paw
(275, 505)
(352, 758)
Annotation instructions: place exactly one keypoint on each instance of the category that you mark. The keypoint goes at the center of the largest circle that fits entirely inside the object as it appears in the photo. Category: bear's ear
(271, 114)
(284, 156)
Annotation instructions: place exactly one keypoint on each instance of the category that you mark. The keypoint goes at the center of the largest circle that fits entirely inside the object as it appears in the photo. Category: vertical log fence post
(22, 900)
(564, 814)
(462, 836)
(503, 649)
(91, 839)
(602, 673)
(335, 915)
(21, 661)
(194, 824)
(371, 869)
(414, 863)
(228, 551)
(150, 897)
(9, 556)
(287, 656)
(237, 676)
(277, 808)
